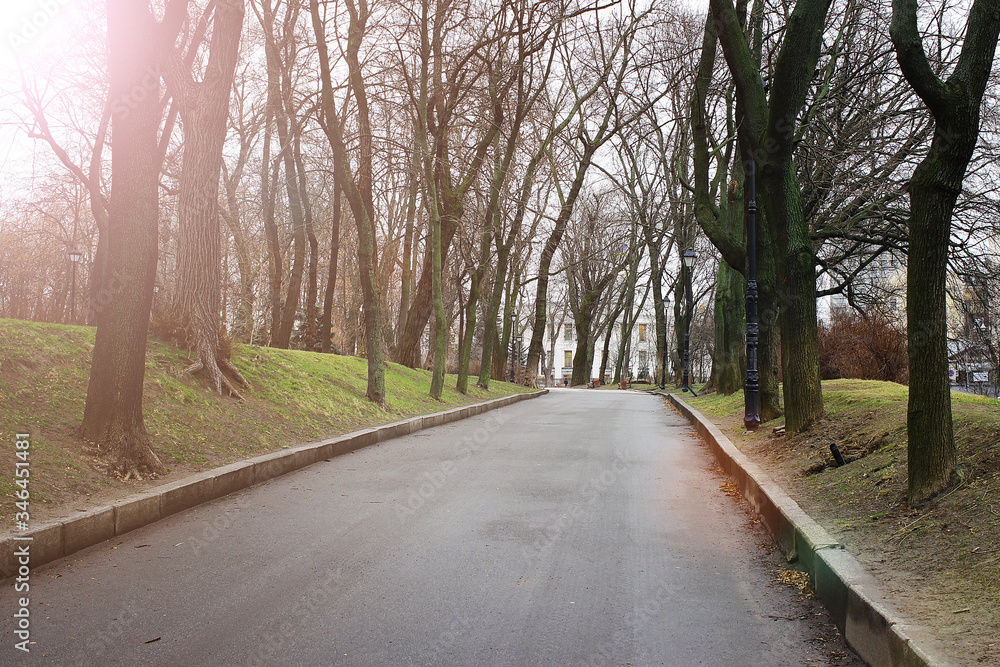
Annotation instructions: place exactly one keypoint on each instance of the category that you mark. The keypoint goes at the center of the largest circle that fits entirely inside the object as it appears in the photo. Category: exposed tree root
(128, 456)
(220, 371)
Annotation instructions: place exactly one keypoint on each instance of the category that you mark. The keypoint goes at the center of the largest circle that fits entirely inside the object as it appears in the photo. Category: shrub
(866, 348)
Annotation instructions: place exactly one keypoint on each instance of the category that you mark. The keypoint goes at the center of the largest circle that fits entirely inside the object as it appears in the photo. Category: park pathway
(585, 527)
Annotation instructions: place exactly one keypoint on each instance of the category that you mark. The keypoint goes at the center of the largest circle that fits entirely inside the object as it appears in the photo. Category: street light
(74, 257)
(513, 348)
(689, 257)
(751, 395)
(663, 370)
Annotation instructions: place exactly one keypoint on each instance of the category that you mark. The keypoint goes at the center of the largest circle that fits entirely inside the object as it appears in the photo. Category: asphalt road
(579, 528)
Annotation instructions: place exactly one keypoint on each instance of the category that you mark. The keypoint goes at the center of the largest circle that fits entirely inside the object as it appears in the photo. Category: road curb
(852, 596)
(54, 540)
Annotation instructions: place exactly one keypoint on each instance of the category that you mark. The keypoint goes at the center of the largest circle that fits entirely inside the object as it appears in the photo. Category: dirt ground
(938, 563)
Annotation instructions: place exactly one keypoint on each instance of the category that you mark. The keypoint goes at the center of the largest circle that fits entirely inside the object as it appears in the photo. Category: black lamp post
(689, 258)
(666, 341)
(513, 349)
(74, 257)
(751, 396)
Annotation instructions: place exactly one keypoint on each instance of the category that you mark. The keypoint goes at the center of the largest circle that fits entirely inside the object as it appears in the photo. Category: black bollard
(838, 457)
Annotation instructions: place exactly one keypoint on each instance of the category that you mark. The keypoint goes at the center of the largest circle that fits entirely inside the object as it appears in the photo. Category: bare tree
(954, 104)
(770, 124)
(203, 107)
(357, 188)
(137, 43)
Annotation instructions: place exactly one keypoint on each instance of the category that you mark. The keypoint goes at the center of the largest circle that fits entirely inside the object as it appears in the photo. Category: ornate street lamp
(666, 341)
(689, 258)
(74, 257)
(751, 396)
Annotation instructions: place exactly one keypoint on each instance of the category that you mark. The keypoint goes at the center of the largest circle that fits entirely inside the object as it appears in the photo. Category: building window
(643, 359)
(568, 331)
(642, 333)
(568, 359)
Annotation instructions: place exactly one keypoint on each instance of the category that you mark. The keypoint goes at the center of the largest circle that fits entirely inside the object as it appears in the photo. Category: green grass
(294, 397)
(847, 396)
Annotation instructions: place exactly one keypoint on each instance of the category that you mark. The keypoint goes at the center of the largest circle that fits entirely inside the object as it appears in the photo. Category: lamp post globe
(689, 258)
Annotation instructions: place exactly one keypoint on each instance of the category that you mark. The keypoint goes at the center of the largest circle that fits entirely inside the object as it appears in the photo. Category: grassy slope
(295, 397)
(937, 558)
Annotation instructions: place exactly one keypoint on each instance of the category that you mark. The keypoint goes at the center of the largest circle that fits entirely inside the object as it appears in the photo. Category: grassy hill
(295, 397)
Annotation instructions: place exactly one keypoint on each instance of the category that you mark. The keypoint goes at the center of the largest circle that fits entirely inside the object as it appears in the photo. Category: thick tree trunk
(769, 339)
(503, 349)
(113, 411)
(934, 189)
(278, 94)
(729, 362)
(584, 342)
(204, 108)
(244, 325)
(768, 124)
(490, 318)
(797, 265)
(606, 350)
(932, 456)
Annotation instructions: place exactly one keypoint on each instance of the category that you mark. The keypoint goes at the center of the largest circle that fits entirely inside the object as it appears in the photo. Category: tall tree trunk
(582, 360)
(503, 349)
(769, 339)
(310, 334)
(769, 122)
(358, 192)
(269, 171)
(406, 279)
(934, 188)
(113, 412)
(729, 361)
(545, 262)
(439, 340)
(278, 101)
(294, 288)
(490, 334)
(408, 348)
(797, 288)
(331, 281)
(606, 350)
(204, 109)
(243, 327)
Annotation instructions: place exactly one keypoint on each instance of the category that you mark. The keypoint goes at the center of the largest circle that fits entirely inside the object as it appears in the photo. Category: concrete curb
(54, 540)
(875, 631)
